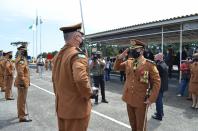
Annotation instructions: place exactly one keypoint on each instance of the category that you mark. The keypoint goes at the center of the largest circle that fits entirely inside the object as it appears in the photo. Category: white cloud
(100, 15)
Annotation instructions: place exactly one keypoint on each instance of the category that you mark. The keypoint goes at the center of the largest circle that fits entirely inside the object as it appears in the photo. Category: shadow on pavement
(170, 97)
(8, 122)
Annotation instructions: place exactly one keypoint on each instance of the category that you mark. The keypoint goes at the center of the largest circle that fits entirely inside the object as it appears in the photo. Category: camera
(96, 55)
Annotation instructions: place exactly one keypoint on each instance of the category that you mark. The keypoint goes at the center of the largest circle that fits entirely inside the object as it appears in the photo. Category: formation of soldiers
(22, 80)
(6, 74)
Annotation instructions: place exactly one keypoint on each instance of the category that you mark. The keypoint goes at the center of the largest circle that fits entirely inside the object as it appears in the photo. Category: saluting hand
(124, 54)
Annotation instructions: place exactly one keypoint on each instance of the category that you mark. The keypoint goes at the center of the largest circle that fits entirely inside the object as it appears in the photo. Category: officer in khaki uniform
(71, 82)
(141, 74)
(193, 85)
(9, 76)
(2, 71)
(22, 82)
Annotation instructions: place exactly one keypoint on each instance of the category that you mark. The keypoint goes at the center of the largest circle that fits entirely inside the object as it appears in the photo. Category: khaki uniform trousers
(2, 83)
(136, 117)
(21, 101)
(8, 86)
(73, 124)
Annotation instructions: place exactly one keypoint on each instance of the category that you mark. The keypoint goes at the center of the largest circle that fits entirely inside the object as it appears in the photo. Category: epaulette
(150, 61)
(79, 50)
(80, 53)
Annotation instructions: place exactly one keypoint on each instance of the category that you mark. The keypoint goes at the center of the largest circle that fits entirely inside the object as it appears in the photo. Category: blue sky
(99, 15)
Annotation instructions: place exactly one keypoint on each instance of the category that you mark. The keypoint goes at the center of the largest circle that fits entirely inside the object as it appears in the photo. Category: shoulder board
(150, 61)
(81, 55)
(78, 49)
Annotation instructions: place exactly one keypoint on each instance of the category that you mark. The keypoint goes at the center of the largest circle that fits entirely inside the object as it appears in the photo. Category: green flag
(30, 27)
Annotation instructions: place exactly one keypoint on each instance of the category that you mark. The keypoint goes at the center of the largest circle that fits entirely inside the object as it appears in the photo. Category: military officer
(9, 76)
(193, 85)
(22, 82)
(71, 82)
(141, 74)
(2, 71)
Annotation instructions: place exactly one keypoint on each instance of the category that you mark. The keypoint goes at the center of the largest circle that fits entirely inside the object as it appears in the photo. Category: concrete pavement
(105, 117)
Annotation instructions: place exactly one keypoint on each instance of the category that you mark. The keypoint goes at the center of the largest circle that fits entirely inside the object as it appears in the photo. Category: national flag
(30, 27)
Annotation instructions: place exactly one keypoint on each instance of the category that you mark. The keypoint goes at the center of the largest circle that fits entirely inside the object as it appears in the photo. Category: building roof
(178, 19)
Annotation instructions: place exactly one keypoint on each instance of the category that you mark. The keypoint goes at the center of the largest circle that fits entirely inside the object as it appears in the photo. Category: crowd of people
(77, 79)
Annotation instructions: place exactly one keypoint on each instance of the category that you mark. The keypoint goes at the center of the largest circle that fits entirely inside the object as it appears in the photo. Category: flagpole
(81, 12)
(33, 41)
(40, 35)
(36, 30)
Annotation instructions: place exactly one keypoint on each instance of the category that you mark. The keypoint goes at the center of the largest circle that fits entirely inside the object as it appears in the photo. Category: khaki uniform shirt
(2, 71)
(2, 66)
(71, 83)
(138, 80)
(23, 75)
(9, 68)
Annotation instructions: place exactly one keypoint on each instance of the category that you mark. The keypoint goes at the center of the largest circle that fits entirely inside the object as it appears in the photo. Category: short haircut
(67, 36)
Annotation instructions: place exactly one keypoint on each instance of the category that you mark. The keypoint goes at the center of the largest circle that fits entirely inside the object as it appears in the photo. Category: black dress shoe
(104, 101)
(25, 120)
(9, 98)
(156, 114)
(156, 117)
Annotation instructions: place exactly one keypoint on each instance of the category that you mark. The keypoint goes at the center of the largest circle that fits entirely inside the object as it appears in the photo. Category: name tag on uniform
(21, 62)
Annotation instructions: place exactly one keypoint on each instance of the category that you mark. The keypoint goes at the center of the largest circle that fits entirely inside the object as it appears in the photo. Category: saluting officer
(2, 71)
(22, 82)
(9, 76)
(71, 82)
(141, 74)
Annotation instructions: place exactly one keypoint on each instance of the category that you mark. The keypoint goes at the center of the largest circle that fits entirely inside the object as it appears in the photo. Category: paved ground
(105, 117)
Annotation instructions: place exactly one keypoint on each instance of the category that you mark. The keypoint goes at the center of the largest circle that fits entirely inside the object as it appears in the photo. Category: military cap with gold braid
(136, 44)
(72, 28)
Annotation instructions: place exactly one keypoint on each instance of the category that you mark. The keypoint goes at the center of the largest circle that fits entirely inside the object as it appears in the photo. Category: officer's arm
(20, 70)
(80, 76)
(119, 64)
(155, 83)
(8, 67)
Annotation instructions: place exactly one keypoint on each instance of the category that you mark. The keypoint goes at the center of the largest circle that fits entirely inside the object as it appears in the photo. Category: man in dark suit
(163, 72)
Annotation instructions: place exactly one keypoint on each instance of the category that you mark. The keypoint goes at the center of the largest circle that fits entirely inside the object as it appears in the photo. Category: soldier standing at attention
(9, 76)
(2, 70)
(22, 82)
(70, 76)
(140, 73)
